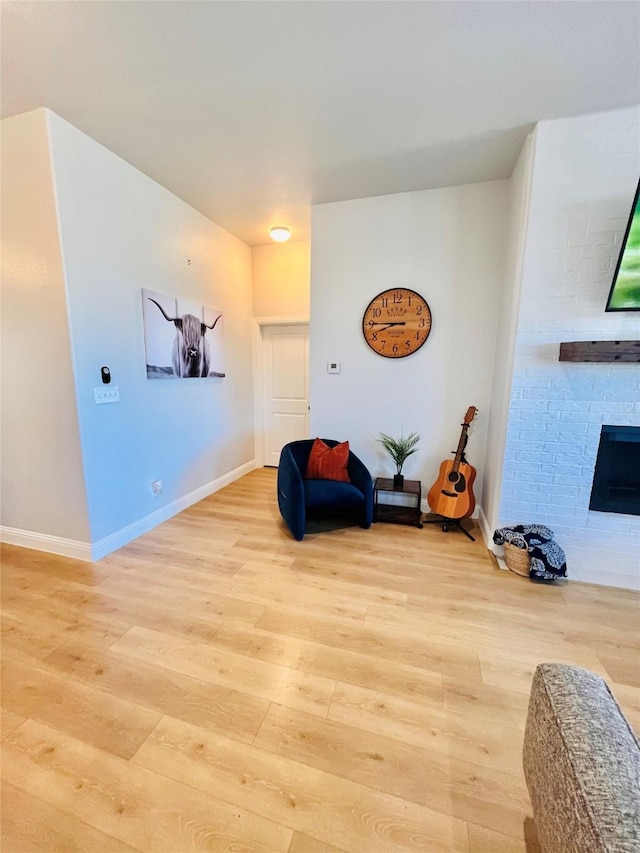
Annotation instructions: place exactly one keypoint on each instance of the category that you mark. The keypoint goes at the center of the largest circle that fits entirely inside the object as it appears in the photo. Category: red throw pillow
(328, 463)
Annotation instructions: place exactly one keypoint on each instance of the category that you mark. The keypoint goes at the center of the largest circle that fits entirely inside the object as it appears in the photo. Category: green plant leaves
(399, 449)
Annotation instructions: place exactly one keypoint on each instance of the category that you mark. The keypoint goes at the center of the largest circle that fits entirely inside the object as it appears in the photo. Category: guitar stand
(450, 522)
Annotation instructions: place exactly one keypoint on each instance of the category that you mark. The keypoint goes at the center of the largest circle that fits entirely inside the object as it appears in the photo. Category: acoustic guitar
(452, 493)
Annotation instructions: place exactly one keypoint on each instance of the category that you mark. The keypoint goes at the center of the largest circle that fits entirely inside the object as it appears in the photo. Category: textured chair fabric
(299, 498)
(582, 765)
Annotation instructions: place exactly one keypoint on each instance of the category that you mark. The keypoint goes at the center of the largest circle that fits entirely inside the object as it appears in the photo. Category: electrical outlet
(107, 394)
(156, 487)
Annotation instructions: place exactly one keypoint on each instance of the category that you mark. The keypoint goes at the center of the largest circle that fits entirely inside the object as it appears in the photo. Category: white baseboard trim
(487, 535)
(486, 530)
(143, 525)
(90, 552)
(501, 564)
(42, 542)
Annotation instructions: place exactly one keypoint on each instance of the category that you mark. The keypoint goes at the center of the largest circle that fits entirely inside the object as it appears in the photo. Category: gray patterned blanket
(548, 560)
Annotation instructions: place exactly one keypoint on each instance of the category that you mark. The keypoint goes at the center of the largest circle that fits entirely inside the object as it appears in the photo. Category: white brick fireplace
(584, 175)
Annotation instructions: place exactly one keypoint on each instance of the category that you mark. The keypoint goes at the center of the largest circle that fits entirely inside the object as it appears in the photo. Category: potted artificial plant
(399, 449)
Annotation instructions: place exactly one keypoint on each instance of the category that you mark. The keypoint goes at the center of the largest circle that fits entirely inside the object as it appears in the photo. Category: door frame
(258, 324)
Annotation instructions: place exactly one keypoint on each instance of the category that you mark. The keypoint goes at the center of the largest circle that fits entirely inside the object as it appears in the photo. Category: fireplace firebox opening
(616, 480)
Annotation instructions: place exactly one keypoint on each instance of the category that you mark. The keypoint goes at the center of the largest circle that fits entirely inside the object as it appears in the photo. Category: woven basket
(517, 559)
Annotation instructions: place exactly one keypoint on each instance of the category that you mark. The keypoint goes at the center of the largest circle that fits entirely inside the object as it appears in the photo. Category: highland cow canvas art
(183, 340)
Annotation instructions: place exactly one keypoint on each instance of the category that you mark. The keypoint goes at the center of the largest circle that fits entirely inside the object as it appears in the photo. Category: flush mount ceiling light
(280, 234)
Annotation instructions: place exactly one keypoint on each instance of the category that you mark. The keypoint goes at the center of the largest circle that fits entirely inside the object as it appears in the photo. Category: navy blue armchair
(299, 498)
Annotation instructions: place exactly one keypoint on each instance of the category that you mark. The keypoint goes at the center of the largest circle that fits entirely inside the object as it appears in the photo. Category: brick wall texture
(585, 174)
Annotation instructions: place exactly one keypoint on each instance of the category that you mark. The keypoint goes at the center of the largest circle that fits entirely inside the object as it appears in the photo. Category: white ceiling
(253, 111)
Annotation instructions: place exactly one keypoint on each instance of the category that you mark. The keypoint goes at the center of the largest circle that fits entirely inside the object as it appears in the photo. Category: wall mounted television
(625, 289)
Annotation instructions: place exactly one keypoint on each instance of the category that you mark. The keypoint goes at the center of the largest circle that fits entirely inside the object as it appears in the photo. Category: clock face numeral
(405, 318)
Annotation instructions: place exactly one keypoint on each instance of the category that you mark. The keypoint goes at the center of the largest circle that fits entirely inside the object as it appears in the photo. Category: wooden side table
(409, 513)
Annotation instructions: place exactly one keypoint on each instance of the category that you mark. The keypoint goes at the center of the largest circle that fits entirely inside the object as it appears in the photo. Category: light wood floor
(217, 686)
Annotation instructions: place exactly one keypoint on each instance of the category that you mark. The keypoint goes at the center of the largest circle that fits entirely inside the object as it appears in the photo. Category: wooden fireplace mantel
(627, 351)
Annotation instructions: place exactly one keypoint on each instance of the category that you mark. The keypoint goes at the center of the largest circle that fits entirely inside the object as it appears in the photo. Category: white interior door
(285, 363)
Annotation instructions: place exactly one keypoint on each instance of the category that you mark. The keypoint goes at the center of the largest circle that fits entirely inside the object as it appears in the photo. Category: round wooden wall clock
(396, 322)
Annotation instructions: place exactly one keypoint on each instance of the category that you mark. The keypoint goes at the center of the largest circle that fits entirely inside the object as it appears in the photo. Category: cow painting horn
(176, 320)
(204, 325)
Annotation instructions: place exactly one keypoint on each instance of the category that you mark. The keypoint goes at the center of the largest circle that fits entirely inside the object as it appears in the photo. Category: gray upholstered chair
(581, 763)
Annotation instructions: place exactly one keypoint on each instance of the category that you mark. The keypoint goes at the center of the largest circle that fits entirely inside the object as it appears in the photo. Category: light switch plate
(107, 394)
(333, 367)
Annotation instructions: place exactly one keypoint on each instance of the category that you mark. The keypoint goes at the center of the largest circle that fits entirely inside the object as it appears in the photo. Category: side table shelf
(409, 513)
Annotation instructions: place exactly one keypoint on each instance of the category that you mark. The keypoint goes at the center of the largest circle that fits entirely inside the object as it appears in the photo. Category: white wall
(281, 279)
(449, 246)
(74, 469)
(519, 188)
(42, 478)
(584, 178)
(120, 232)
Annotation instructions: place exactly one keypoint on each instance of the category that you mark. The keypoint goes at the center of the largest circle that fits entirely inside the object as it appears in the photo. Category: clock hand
(387, 325)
